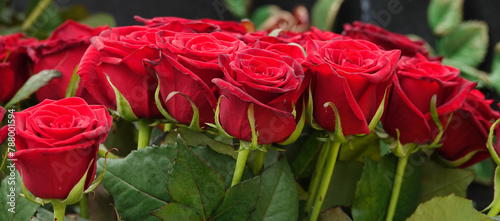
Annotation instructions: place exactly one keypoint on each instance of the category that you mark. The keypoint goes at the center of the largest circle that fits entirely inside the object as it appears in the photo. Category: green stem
(325, 180)
(258, 161)
(144, 133)
(396, 188)
(316, 177)
(59, 210)
(84, 207)
(240, 165)
(168, 127)
(42, 5)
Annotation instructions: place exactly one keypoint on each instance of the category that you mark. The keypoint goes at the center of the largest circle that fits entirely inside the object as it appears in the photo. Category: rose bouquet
(205, 119)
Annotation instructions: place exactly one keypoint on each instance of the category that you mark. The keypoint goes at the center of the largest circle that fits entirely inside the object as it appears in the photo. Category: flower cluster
(258, 87)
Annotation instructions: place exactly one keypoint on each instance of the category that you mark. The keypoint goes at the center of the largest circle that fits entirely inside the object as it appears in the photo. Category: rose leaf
(23, 208)
(444, 15)
(447, 208)
(278, 194)
(137, 182)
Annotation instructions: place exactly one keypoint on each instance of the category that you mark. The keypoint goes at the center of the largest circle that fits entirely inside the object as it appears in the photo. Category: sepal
(338, 135)
(195, 120)
(298, 128)
(123, 108)
(401, 150)
(217, 120)
(159, 105)
(310, 111)
(457, 162)
(435, 118)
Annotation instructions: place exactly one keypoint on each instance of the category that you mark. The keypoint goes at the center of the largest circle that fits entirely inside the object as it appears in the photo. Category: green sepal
(489, 143)
(275, 32)
(73, 84)
(31, 198)
(457, 162)
(435, 118)
(195, 120)
(301, 48)
(251, 121)
(217, 121)
(310, 111)
(98, 180)
(401, 150)
(338, 135)
(123, 108)
(298, 128)
(76, 193)
(159, 105)
(379, 112)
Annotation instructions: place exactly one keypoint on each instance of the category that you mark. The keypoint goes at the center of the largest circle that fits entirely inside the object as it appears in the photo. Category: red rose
(269, 80)
(15, 65)
(57, 143)
(188, 65)
(416, 81)
(120, 54)
(468, 130)
(317, 34)
(62, 51)
(192, 26)
(353, 75)
(385, 39)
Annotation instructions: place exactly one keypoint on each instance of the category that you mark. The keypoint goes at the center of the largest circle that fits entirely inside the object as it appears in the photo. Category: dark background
(410, 19)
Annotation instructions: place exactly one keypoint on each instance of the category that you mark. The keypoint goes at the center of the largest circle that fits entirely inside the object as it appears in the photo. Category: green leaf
(239, 8)
(278, 195)
(194, 138)
(334, 214)
(176, 211)
(21, 209)
(193, 183)
(444, 15)
(470, 73)
(99, 19)
(324, 12)
(440, 181)
(374, 189)
(447, 208)
(305, 161)
(343, 184)
(361, 147)
(239, 201)
(137, 182)
(484, 171)
(468, 43)
(32, 85)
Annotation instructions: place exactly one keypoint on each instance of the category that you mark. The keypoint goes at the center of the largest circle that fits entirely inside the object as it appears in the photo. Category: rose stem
(495, 205)
(258, 161)
(59, 210)
(396, 188)
(334, 147)
(316, 177)
(84, 207)
(240, 164)
(144, 133)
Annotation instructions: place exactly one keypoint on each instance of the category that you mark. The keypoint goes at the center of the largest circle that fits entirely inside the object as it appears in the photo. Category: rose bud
(464, 140)
(408, 110)
(270, 81)
(63, 51)
(353, 75)
(113, 68)
(385, 39)
(57, 144)
(16, 64)
(188, 64)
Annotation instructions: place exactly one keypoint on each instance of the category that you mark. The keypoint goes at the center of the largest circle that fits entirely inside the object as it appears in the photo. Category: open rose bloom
(214, 120)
